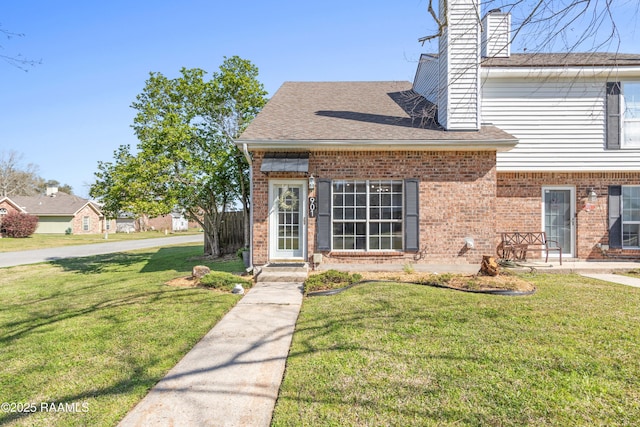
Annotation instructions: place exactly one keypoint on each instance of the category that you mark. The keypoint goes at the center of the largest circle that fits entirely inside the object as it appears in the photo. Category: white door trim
(566, 252)
(274, 254)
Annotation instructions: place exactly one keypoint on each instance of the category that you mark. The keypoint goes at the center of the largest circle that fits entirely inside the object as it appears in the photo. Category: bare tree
(16, 60)
(554, 25)
(16, 180)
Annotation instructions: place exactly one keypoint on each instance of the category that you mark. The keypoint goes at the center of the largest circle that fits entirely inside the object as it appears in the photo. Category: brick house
(58, 212)
(482, 141)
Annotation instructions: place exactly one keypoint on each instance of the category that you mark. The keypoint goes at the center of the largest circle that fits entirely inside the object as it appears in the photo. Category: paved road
(9, 259)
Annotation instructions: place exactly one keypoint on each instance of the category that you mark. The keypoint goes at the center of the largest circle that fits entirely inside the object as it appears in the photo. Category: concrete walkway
(614, 278)
(10, 259)
(232, 376)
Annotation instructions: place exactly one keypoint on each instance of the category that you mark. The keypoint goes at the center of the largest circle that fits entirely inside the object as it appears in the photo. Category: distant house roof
(357, 114)
(11, 202)
(55, 205)
(570, 59)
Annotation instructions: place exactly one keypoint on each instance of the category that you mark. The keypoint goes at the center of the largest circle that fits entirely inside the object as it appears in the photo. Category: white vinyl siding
(459, 70)
(495, 35)
(560, 125)
(426, 80)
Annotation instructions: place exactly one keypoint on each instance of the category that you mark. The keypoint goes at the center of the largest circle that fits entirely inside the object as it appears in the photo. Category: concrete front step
(283, 273)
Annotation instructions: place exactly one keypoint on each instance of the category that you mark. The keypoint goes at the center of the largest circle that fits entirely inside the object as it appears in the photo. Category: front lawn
(401, 354)
(43, 241)
(95, 334)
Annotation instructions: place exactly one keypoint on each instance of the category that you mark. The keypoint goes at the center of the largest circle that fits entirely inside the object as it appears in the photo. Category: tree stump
(489, 266)
(199, 271)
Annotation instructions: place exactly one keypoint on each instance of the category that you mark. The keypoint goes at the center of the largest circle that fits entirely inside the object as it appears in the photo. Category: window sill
(356, 254)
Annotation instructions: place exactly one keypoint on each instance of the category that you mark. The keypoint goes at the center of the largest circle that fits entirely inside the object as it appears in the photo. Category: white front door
(558, 213)
(287, 220)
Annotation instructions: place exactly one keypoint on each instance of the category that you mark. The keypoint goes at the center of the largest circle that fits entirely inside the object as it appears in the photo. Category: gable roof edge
(12, 203)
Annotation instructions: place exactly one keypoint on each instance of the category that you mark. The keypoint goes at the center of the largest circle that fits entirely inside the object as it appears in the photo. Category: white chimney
(496, 26)
(52, 191)
(459, 65)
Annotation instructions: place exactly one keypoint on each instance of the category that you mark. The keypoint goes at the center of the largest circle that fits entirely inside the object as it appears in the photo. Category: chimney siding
(496, 26)
(459, 68)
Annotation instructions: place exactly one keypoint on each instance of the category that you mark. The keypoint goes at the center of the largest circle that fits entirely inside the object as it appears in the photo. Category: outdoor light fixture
(469, 243)
(591, 195)
(312, 182)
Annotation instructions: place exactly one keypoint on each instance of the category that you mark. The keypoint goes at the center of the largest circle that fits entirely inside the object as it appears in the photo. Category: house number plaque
(312, 207)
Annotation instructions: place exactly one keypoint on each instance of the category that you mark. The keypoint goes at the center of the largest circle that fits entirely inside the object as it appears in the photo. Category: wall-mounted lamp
(312, 182)
(592, 196)
(469, 243)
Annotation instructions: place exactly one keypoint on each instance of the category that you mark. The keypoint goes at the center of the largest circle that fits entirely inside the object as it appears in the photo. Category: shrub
(330, 279)
(223, 281)
(18, 224)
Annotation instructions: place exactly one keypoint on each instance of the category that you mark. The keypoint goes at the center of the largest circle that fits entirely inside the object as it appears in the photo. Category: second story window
(630, 114)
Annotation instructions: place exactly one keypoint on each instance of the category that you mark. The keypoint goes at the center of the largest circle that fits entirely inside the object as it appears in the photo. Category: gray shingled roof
(589, 59)
(60, 204)
(346, 112)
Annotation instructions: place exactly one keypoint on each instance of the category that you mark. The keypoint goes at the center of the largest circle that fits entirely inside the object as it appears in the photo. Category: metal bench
(515, 245)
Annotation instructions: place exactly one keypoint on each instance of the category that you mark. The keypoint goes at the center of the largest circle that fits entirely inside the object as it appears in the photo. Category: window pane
(338, 243)
(630, 203)
(374, 243)
(631, 132)
(630, 235)
(338, 228)
(631, 97)
(631, 113)
(348, 228)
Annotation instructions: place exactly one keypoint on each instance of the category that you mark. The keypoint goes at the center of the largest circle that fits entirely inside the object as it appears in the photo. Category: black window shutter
(323, 219)
(411, 215)
(614, 118)
(615, 216)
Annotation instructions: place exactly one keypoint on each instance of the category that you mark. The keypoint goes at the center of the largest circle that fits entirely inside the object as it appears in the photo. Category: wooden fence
(231, 232)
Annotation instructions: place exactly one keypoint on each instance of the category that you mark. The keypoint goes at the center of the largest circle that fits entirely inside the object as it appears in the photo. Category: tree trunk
(211, 236)
(489, 266)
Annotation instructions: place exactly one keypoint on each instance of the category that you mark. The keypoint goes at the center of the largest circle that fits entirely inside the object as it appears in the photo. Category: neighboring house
(58, 212)
(171, 222)
(483, 141)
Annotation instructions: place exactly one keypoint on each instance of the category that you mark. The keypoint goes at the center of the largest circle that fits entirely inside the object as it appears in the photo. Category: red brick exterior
(461, 195)
(4, 204)
(96, 223)
(457, 200)
(519, 205)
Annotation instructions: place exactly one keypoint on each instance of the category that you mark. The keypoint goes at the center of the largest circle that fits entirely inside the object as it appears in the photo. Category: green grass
(400, 355)
(99, 331)
(43, 241)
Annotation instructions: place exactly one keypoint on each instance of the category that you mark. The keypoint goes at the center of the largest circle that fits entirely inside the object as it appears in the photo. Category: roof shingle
(354, 111)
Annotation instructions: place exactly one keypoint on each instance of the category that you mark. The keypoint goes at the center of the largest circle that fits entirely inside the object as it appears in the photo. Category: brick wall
(457, 200)
(95, 222)
(519, 204)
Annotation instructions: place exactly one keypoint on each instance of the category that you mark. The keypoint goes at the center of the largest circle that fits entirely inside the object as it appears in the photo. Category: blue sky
(73, 109)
